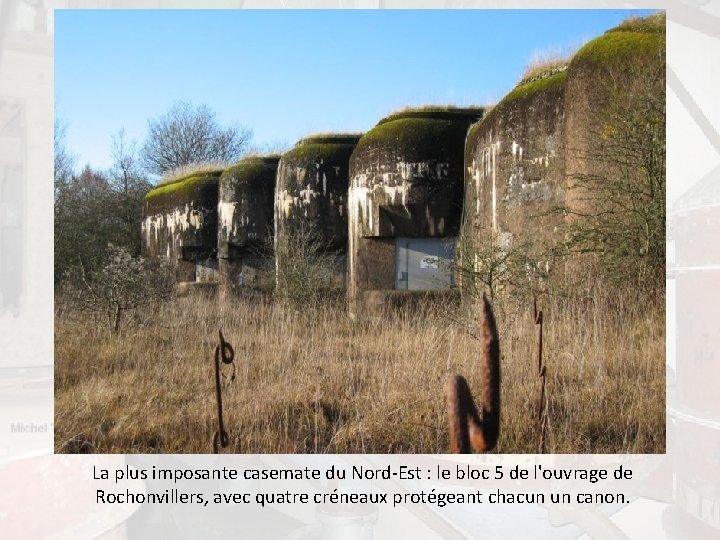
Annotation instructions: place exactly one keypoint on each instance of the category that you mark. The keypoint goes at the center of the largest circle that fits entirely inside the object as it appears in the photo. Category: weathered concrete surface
(406, 181)
(180, 225)
(245, 221)
(311, 192)
(523, 156)
(624, 61)
(515, 171)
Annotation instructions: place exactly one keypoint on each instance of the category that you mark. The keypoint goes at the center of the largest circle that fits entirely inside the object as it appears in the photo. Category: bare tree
(188, 134)
(83, 222)
(307, 267)
(129, 186)
(621, 199)
(94, 208)
(121, 284)
(64, 160)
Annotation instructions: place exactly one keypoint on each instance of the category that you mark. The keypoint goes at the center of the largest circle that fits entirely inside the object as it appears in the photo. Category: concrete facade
(245, 222)
(515, 173)
(406, 196)
(311, 194)
(528, 160)
(180, 225)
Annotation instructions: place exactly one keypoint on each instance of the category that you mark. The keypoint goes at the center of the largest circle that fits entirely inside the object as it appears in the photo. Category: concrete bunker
(311, 199)
(515, 175)
(405, 207)
(180, 225)
(525, 160)
(620, 73)
(245, 222)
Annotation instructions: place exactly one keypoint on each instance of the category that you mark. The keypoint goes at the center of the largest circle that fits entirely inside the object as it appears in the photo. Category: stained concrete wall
(628, 60)
(311, 192)
(406, 181)
(515, 171)
(523, 157)
(245, 222)
(180, 225)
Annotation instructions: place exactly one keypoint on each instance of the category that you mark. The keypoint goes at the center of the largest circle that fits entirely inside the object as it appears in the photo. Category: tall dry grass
(550, 59)
(310, 380)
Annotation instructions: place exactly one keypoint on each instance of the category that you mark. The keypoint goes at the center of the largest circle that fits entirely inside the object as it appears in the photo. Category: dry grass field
(311, 381)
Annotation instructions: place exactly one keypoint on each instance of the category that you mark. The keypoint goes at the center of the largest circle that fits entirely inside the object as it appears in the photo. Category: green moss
(552, 84)
(249, 168)
(310, 151)
(418, 138)
(636, 36)
(330, 138)
(265, 157)
(435, 112)
(193, 169)
(619, 44)
(183, 188)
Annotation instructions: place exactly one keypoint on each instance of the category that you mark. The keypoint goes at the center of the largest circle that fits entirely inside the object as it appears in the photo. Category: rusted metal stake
(542, 410)
(225, 352)
(468, 431)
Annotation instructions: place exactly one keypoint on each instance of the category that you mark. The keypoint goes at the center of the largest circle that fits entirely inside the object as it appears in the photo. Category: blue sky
(286, 74)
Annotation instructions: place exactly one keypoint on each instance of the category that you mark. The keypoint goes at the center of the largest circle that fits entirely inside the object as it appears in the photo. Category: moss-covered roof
(258, 155)
(417, 137)
(435, 112)
(250, 168)
(330, 147)
(552, 83)
(422, 131)
(330, 138)
(183, 172)
(635, 36)
(183, 189)
(616, 44)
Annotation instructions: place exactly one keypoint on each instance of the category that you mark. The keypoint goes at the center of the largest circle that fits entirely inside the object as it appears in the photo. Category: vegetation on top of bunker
(419, 133)
(198, 168)
(651, 23)
(328, 146)
(438, 112)
(248, 168)
(553, 82)
(634, 37)
(545, 63)
(185, 186)
(330, 138)
(547, 72)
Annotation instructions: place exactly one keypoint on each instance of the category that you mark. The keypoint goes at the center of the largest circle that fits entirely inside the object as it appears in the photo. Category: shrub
(619, 210)
(307, 268)
(124, 283)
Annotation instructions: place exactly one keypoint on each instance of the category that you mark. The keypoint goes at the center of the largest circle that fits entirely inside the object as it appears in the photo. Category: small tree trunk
(117, 318)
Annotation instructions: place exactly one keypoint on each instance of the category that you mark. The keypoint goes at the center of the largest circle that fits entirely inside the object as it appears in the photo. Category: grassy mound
(545, 88)
(183, 189)
(248, 168)
(435, 112)
(421, 132)
(331, 147)
(637, 36)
